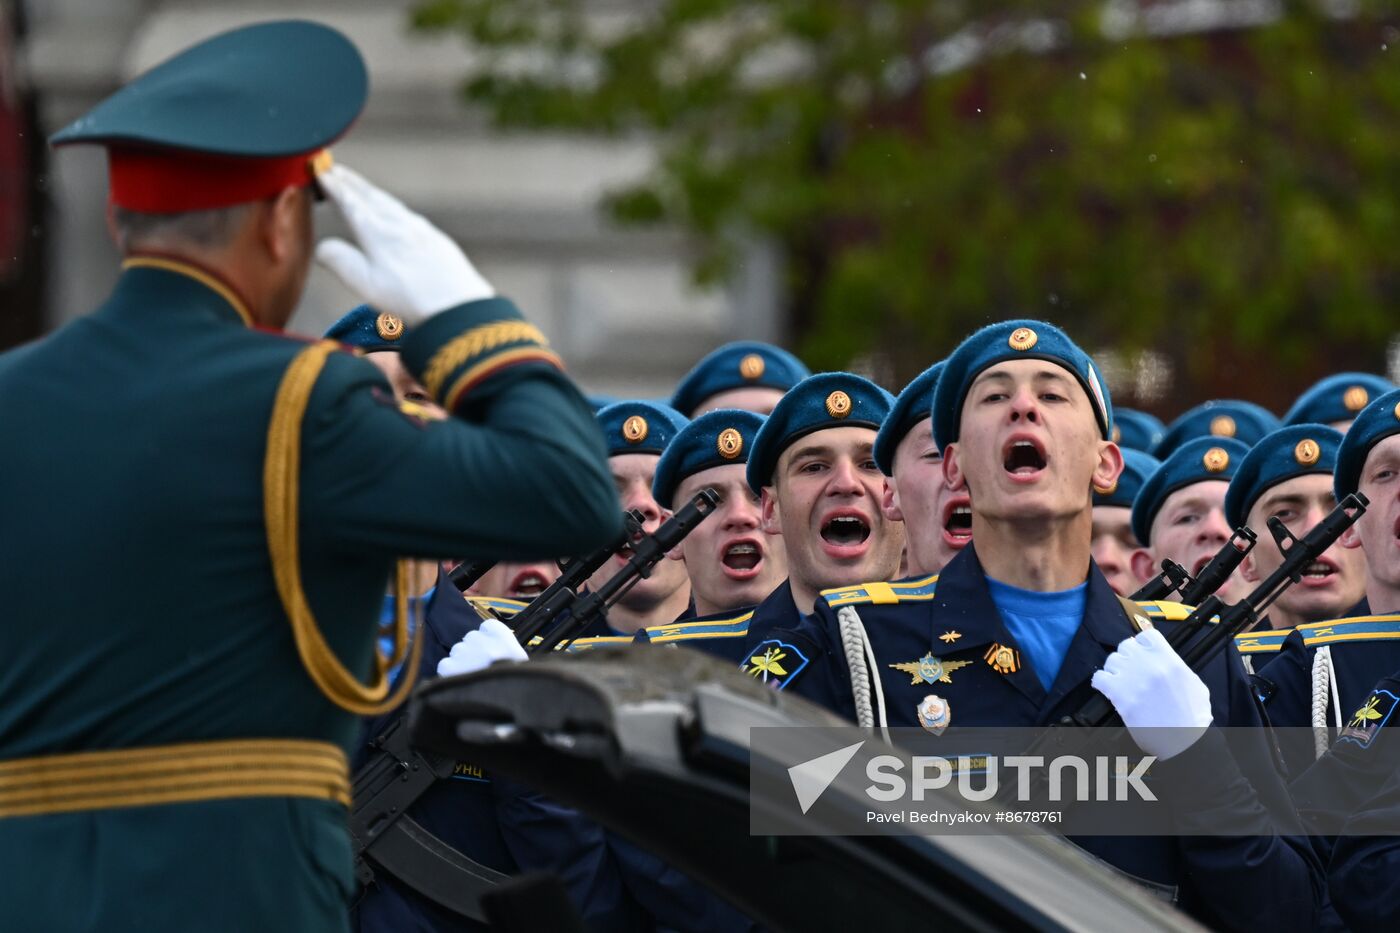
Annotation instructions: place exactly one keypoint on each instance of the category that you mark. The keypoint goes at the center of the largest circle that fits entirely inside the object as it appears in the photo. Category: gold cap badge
(730, 443)
(635, 429)
(751, 366)
(1022, 338)
(1307, 452)
(1222, 426)
(838, 404)
(1216, 459)
(1397, 411)
(1355, 398)
(388, 326)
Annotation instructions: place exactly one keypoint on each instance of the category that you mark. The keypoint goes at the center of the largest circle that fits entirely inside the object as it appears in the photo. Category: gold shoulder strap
(1136, 617)
(281, 471)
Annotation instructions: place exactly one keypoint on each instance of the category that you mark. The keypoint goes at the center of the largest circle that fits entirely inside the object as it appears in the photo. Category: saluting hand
(403, 264)
(1165, 706)
(478, 650)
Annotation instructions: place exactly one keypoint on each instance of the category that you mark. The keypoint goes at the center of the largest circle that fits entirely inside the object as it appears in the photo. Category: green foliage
(1228, 197)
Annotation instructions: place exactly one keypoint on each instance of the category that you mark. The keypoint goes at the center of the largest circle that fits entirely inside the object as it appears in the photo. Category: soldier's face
(516, 581)
(1190, 528)
(825, 502)
(937, 519)
(1029, 447)
(632, 475)
(731, 562)
(750, 398)
(1112, 547)
(1377, 531)
(1331, 584)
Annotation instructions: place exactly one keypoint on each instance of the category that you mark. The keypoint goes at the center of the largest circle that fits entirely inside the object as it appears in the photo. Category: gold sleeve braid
(475, 342)
(281, 471)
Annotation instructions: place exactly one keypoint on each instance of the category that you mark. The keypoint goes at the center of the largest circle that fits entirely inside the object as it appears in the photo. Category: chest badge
(950, 637)
(1003, 660)
(929, 670)
(934, 714)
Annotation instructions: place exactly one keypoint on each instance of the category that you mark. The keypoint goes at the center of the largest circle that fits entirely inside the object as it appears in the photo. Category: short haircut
(208, 229)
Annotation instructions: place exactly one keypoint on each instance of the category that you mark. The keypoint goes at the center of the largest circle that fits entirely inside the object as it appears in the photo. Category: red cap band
(171, 181)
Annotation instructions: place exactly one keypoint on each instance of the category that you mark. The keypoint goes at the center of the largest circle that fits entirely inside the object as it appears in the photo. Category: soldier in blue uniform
(1288, 476)
(746, 374)
(937, 520)
(1017, 623)
(1137, 430)
(1243, 421)
(1113, 542)
(1325, 668)
(732, 563)
(1337, 400)
(813, 463)
(636, 433)
(179, 757)
(1361, 781)
(1179, 514)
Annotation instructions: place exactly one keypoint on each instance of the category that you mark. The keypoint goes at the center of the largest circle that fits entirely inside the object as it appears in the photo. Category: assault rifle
(1211, 578)
(642, 559)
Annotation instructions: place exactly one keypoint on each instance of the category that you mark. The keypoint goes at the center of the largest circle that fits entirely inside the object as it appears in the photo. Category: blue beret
(740, 365)
(1013, 340)
(826, 400)
(1196, 461)
(1137, 467)
(369, 329)
(271, 89)
(1296, 450)
(1244, 421)
(716, 438)
(1377, 421)
(911, 407)
(1337, 398)
(638, 427)
(1137, 430)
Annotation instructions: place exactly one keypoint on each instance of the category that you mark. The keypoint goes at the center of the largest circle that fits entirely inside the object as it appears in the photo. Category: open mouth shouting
(957, 522)
(845, 534)
(526, 585)
(742, 558)
(1024, 458)
(1321, 572)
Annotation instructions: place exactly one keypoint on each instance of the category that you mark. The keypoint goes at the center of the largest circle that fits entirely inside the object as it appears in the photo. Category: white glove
(403, 264)
(1165, 706)
(478, 650)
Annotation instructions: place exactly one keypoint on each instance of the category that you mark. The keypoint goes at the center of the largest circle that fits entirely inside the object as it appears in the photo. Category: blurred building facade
(618, 304)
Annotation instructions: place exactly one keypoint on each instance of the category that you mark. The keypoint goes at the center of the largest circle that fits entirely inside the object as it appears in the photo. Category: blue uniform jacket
(1269, 880)
(1363, 650)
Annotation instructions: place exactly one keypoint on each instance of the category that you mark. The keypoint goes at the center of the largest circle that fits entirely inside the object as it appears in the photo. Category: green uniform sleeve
(519, 472)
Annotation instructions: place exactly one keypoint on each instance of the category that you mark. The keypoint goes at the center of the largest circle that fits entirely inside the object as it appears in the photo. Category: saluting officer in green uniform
(201, 513)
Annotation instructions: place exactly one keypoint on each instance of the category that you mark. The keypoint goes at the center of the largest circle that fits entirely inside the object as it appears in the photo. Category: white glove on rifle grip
(1165, 706)
(478, 650)
(403, 264)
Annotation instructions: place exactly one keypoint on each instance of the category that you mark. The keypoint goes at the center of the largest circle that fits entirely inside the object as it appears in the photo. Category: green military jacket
(142, 609)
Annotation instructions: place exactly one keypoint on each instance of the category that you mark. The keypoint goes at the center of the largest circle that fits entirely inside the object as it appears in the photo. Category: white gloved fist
(403, 264)
(1165, 706)
(478, 650)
